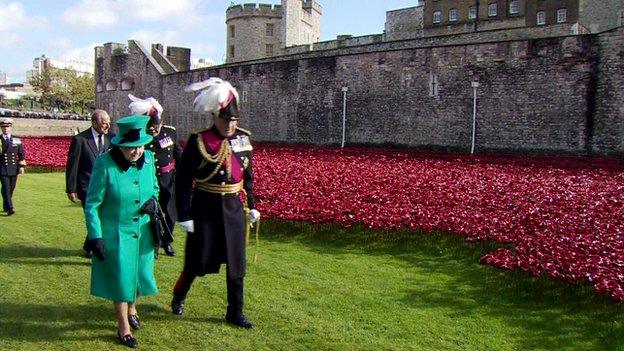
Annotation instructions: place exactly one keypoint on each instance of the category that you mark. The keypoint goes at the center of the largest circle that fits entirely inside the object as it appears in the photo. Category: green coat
(117, 191)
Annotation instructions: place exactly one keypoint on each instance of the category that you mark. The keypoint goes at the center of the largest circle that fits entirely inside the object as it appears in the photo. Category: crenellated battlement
(253, 10)
(311, 5)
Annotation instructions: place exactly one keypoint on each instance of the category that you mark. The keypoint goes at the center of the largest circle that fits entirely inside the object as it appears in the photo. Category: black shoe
(177, 306)
(128, 340)
(133, 320)
(169, 251)
(10, 212)
(239, 320)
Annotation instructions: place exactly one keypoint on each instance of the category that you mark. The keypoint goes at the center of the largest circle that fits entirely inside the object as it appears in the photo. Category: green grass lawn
(312, 288)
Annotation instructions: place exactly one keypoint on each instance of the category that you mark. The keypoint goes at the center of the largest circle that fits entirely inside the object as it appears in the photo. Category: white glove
(188, 226)
(254, 216)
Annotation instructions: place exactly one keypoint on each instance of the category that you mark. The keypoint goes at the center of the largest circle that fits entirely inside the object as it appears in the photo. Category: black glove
(97, 247)
(150, 206)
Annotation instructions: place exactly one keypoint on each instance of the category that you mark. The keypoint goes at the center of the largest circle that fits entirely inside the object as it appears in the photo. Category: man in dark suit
(84, 148)
(12, 163)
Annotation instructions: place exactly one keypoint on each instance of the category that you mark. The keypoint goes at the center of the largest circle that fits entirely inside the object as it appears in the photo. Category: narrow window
(541, 18)
(561, 15)
(453, 15)
(437, 17)
(269, 29)
(514, 7)
(232, 31)
(472, 12)
(433, 83)
(492, 10)
(269, 49)
(231, 51)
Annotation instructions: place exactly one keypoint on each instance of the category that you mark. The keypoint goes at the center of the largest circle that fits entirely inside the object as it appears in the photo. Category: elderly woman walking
(120, 237)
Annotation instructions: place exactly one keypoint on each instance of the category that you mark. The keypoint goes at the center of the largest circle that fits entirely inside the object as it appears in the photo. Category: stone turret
(256, 31)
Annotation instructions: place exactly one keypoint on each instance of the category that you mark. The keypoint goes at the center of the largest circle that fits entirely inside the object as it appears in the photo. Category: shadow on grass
(22, 251)
(540, 312)
(58, 322)
(47, 322)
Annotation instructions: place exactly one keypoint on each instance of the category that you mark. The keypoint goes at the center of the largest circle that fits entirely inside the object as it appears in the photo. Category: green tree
(42, 84)
(82, 90)
(64, 88)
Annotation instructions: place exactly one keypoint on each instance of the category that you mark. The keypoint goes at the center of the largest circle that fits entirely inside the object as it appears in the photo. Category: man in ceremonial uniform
(12, 163)
(167, 154)
(85, 147)
(214, 193)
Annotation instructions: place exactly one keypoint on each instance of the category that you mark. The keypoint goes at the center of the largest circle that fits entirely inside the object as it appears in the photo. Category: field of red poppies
(563, 216)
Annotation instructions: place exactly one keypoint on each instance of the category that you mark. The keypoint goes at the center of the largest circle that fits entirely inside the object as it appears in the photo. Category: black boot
(177, 306)
(234, 313)
(239, 320)
(181, 288)
(169, 251)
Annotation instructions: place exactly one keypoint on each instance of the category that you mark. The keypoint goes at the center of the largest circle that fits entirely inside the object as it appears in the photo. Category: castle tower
(256, 31)
(301, 22)
(291, 18)
(253, 31)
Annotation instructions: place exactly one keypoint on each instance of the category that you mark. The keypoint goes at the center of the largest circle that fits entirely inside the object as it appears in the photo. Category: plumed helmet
(217, 97)
(149, 107)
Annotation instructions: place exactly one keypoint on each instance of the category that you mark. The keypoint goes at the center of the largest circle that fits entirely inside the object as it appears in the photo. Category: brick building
(443, 17)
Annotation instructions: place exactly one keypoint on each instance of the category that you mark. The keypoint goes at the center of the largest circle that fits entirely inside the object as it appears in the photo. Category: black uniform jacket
(167, 154)
(219, 219)
(80, 161)
(11, 155)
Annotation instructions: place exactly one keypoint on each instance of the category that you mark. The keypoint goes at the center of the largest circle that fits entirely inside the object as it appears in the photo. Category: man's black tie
(100, 144)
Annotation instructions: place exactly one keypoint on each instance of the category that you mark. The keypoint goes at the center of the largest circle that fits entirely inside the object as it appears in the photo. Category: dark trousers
(8, 185)
(234, 291)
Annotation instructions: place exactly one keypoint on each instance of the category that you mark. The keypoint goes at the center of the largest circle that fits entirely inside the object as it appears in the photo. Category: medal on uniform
(164, 142)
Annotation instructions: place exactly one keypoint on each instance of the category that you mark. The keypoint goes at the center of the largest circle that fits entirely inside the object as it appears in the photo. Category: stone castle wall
(607, 99)
(536, 94)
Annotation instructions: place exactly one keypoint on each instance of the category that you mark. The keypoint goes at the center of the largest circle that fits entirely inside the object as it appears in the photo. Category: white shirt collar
(94, 133)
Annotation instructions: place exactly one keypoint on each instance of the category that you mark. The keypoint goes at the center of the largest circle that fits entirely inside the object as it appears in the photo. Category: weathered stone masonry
(545, 94)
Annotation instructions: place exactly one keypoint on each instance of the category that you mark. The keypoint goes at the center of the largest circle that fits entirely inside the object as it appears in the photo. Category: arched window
(127, 83)
(99, 87)
(541, 18)
(111, 85)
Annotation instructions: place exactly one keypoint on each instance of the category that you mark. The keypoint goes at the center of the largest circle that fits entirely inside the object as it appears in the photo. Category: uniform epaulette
(170, 127)
(244, 131)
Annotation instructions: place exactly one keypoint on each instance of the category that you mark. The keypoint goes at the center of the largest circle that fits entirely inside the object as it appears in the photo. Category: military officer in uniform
(167, 154)
(214, 196)
(12, 163)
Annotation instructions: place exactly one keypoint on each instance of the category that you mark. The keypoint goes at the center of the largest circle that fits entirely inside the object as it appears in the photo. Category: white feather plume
(140, 106)
(215, 92)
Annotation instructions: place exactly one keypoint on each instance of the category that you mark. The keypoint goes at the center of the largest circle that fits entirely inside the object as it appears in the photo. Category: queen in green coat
(123, 179)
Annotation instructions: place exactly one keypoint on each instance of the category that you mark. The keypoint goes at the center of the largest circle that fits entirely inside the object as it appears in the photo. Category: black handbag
(161, 233)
